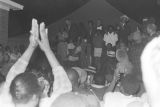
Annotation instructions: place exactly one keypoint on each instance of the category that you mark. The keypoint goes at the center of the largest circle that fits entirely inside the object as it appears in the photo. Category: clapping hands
(34, 34)
(39, 36)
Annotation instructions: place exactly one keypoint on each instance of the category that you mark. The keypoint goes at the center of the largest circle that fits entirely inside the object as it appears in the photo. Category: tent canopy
(93, 10)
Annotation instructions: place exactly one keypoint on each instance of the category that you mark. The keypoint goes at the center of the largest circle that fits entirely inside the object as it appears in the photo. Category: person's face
(20, 91)
(99, 23)
(90, 25)
(68, 22)
(110, 29)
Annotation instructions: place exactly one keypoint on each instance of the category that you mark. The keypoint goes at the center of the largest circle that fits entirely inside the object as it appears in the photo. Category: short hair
(152, 27)
(130, 84)
(70, 100)
(99, 79)
(30, 87)
(91, 21)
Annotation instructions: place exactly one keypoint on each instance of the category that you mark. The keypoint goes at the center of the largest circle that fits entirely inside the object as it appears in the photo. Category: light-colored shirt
(116, 99)
(110, 38)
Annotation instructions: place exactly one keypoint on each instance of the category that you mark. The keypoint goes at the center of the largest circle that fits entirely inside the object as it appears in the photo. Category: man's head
(151, 29)
(74, 78)
(110, 28)
(137, 37)
(68, 22)
(70, 100)
(90, 23)
(25, 90)
(99, 79)
(99, 22)
(130, 85)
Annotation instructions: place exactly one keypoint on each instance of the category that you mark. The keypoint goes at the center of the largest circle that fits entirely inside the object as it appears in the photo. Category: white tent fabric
(93, 10)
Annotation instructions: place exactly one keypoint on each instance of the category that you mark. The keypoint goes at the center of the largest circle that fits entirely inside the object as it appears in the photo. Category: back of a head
(131, 85)
(69, 100)
(23, 87)
(99, 79)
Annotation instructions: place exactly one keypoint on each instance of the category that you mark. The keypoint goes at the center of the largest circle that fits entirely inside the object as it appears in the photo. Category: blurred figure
(71, 29)
(110, 36)
(98, 44)
(125, 30)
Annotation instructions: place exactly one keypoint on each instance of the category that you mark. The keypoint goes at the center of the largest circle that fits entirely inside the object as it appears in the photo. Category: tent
(93, 10)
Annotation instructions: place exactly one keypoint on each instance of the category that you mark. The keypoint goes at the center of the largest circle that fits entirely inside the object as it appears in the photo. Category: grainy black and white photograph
(79, 53)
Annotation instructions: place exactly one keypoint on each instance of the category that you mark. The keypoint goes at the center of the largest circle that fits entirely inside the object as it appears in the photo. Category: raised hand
(44, 42)
(150, 63)
(34, 33)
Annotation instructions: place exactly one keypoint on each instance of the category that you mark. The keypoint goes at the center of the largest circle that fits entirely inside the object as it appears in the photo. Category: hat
(124, 17)
(130, 85)
(90, 69)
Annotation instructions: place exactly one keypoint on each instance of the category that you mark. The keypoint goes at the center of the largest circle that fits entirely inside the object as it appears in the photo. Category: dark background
(50, 11)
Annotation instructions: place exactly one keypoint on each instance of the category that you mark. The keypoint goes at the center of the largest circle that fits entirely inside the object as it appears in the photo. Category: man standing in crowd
(98, 44)
(99, 25)
(72, 29)
(124, 30)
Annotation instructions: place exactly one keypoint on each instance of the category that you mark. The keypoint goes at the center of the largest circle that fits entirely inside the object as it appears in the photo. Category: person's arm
(61, 83)
(113, 83)
(21, 64)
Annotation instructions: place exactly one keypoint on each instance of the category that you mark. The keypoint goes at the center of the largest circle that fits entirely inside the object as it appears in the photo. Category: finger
(36, 29)
(33, 25)
(47, 31)
(39, 42)
(42, 30)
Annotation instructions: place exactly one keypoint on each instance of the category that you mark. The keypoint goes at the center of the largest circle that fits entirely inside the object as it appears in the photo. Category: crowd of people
(95, 67)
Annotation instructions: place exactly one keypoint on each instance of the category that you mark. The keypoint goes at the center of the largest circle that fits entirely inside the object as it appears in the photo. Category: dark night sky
(51, 10)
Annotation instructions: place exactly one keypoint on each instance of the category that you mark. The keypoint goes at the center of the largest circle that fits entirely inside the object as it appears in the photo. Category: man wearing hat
(124, 30)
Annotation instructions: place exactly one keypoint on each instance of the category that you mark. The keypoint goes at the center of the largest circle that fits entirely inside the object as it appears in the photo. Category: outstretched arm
(21, 64)
(61, 82)
(150, 64)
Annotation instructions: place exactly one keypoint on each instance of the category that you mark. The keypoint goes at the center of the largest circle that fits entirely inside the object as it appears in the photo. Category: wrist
(31, 46)
(47, 50)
